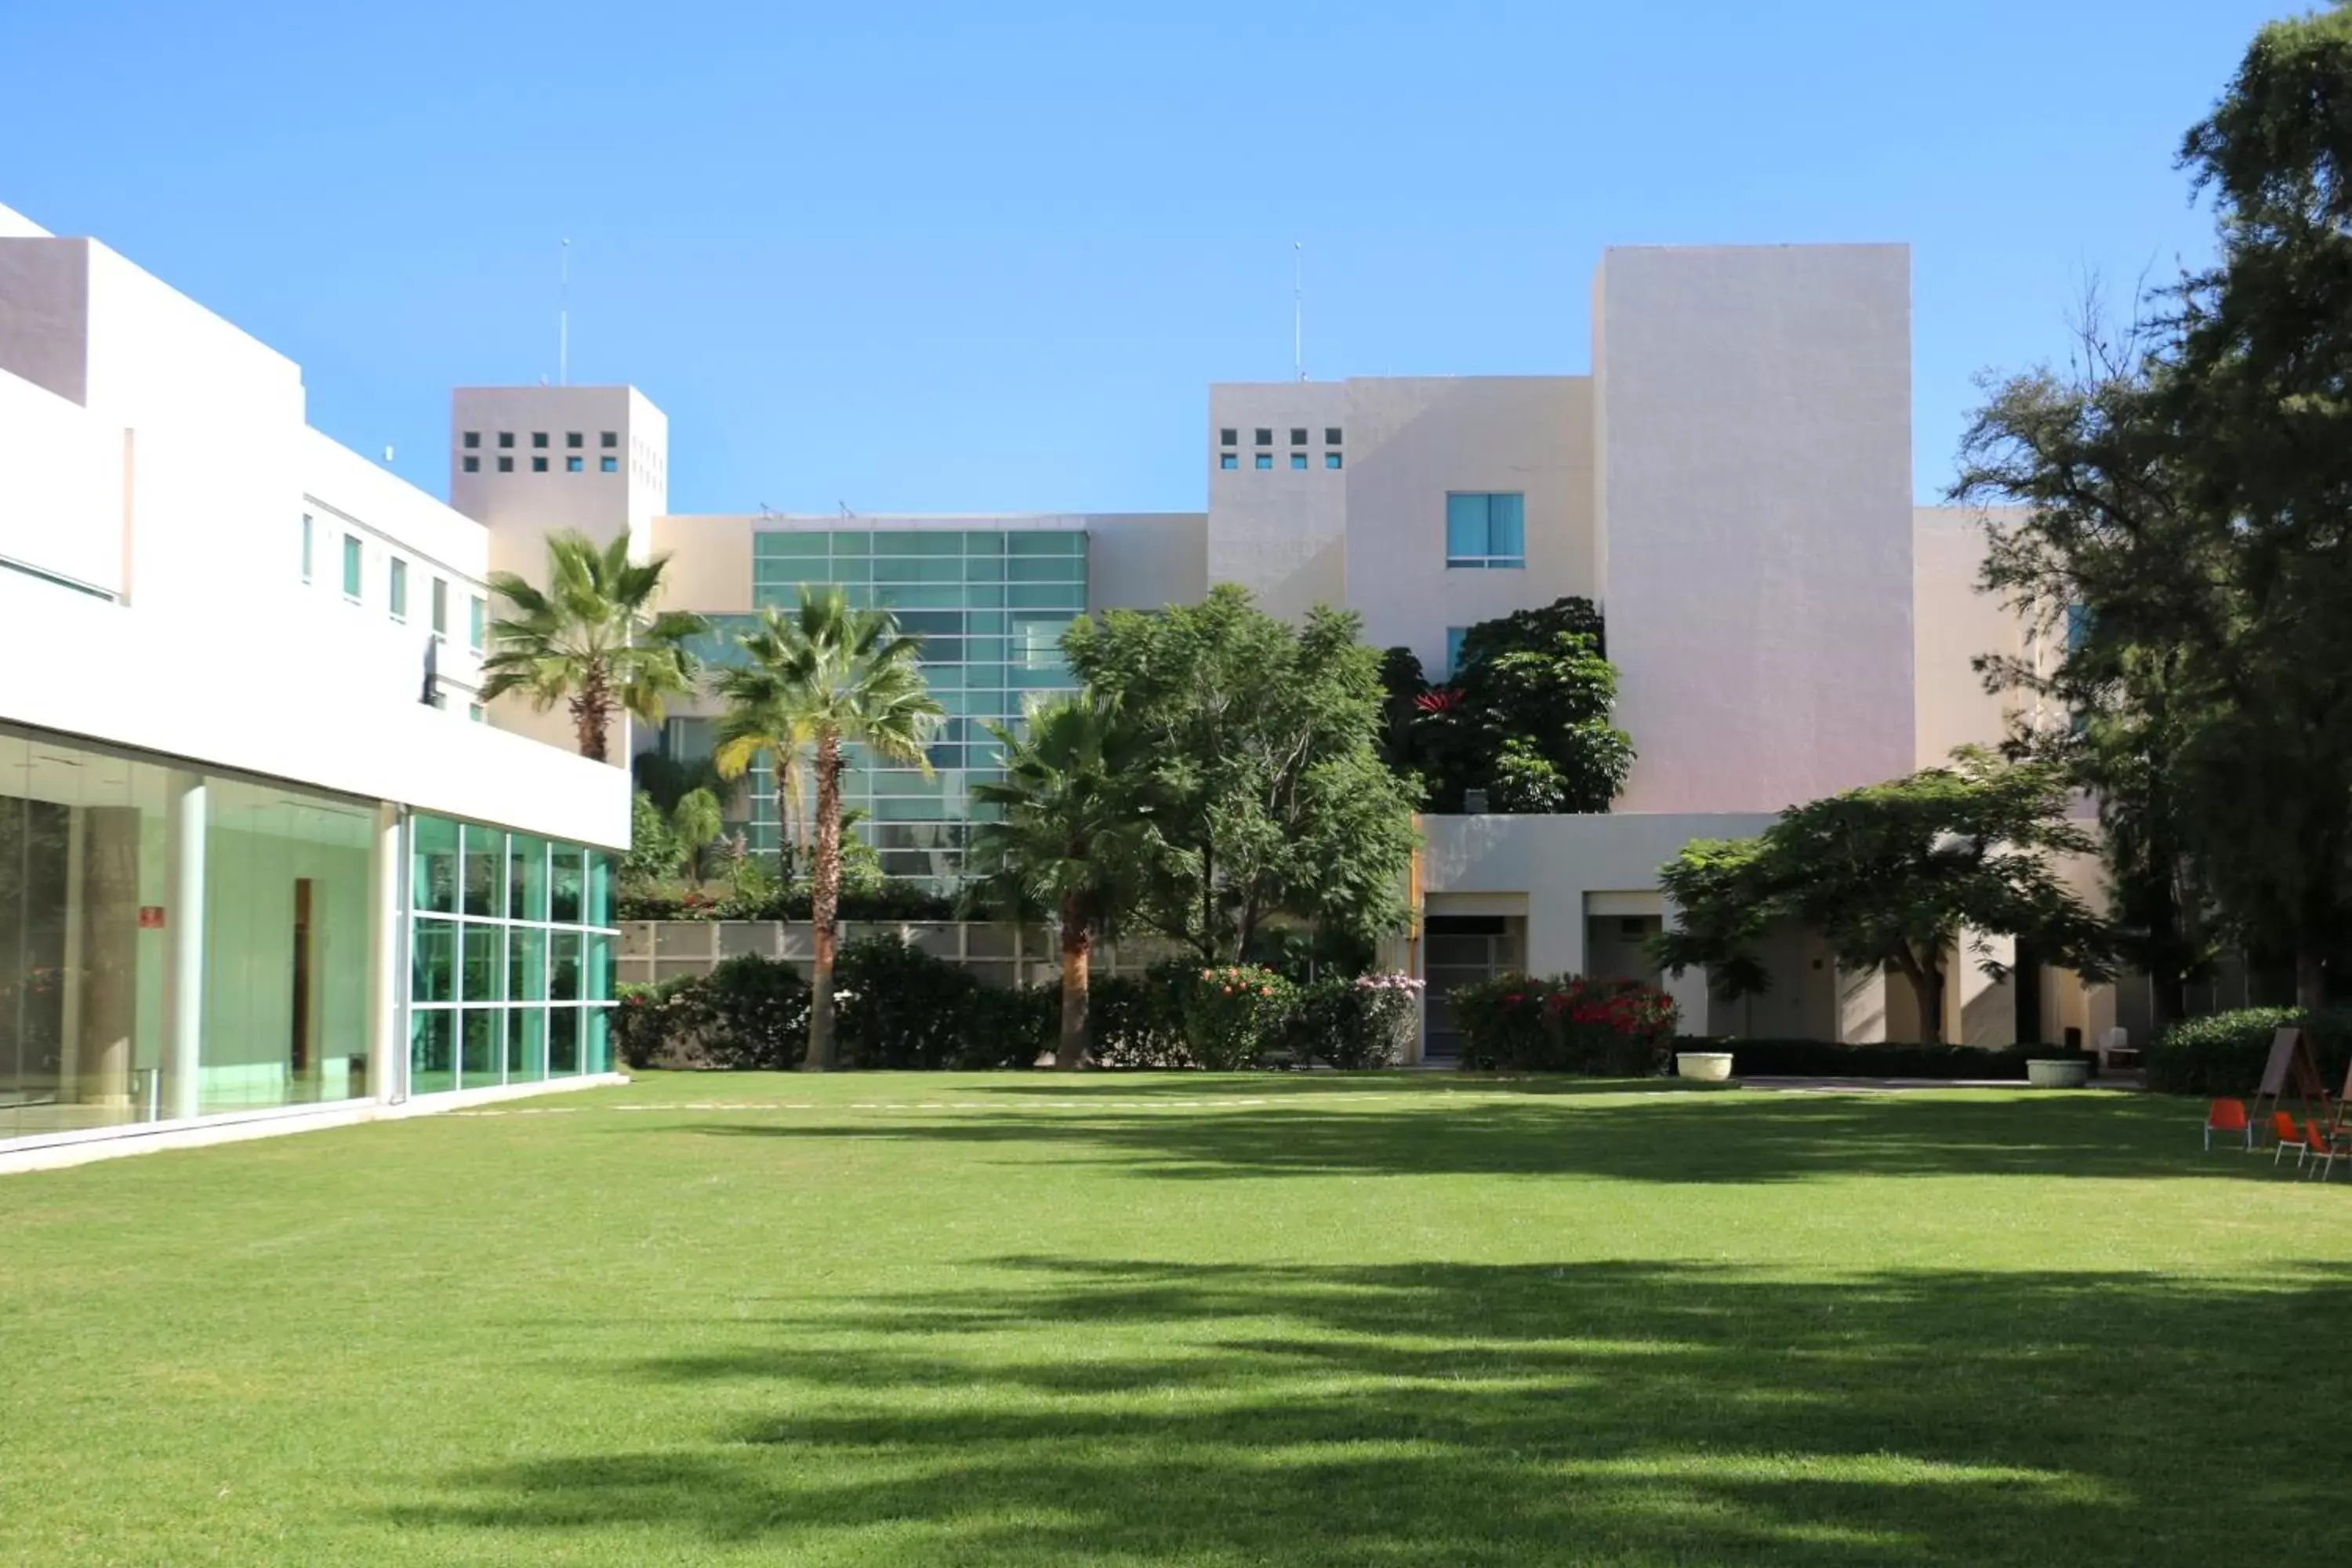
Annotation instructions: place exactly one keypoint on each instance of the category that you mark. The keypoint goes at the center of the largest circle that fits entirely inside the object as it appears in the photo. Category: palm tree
(1067, 838)
(696, 826)
(593, 638)
(816, 680)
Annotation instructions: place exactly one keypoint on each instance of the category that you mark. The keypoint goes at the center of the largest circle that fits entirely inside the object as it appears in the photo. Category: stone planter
(1704, 1067)
(2057, 1072)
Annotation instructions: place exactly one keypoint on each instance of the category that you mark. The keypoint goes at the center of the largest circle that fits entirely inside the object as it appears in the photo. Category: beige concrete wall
(1279, 532)
(1952, 624)
(1145, 561)
(1756, 518)
(709, 569)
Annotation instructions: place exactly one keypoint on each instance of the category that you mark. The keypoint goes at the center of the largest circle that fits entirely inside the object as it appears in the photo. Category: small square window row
(572, 465)
(610, 440)
(1264, 434)
(1265, 460)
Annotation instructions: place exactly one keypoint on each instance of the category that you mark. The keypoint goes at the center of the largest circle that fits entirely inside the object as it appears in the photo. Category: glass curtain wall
(511, 942)
(990, 606)
(89, 913)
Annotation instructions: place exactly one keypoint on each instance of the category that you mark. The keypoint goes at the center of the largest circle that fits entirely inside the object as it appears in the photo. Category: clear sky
(928, 256)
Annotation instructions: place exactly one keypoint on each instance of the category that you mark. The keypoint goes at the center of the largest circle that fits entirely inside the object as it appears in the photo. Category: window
(539, 465)
(1454, 635)
(610, 439)
(440, 607)
(574, 465)
(1298, 459)
(399, 589)
(1264, 436)
(609, 464)
(1298, 435)
(474, 711)
(1228, 437)
(474, 610)
(1229, 460)
(1331, 460)
(473, 464)
(306, 547)
(1330, 435)
(1266, 460)
(506, 465)
(574, 438)
(539, 437)
(1486, 531)
(506, 437)
(352, 567)
(473, 438)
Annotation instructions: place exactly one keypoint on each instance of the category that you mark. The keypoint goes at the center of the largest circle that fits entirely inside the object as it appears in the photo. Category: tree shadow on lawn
(1117, 1085)
(1438, 1414)
(1697, 1138)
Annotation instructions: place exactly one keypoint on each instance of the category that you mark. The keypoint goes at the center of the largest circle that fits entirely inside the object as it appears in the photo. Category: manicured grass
(1029, 1319)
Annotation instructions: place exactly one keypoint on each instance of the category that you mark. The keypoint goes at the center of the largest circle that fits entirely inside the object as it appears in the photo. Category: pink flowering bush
(1607, 1029)
(1234, 1014)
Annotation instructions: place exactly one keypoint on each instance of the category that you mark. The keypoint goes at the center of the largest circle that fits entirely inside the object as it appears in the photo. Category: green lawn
(1023, 1319)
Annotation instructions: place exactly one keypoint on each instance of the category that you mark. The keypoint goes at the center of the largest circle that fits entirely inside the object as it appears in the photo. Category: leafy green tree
(814, 680)
(1893, 876)
(696, 824)
(1259, 755)
(592, 640)
(1068, 836)
(653, 848)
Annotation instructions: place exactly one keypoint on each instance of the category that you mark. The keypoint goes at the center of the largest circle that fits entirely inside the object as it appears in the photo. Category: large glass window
(1486, 531)
(511, 947)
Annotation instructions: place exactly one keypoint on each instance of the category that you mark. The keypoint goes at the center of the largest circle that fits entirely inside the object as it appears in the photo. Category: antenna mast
(563, 319)
(1298, 306)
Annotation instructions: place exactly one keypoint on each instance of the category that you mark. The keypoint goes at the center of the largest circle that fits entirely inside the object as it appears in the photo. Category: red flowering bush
(1606, 1028)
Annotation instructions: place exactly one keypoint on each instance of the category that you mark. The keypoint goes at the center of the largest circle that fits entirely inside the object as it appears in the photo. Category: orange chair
(2228, 1116)
(2285, 1135)
(2325, 1150)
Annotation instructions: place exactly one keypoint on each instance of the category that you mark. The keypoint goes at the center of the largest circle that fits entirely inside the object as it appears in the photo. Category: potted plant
(2058, 1072)
(1704, 1067)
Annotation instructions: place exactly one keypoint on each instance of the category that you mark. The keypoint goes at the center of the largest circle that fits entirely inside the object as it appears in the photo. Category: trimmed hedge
(889, 901)
(1599, 1028)
(2222, 1054)
(1823, 1058)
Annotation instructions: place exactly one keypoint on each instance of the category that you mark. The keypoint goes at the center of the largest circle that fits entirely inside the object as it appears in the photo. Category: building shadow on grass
(1694, 1138)
(1062, 1412)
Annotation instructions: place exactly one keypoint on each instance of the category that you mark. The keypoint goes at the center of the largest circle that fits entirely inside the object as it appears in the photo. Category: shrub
(1607, 1029)
(1136, 1023)
(1353, 1024)
(755, 1014)
(895, 1005)
(2223, 1053)
(1825, 1059)
(1010, 1026)
(882, 902)
(1234, 1015)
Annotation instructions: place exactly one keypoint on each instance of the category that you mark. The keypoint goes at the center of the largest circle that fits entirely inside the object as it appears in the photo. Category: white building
(260, 858)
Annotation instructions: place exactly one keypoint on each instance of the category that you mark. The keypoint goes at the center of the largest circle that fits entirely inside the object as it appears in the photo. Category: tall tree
(1894, 877)
(814, 680)
(2259, 391)
(591, 639)
(1259, 745)
(695, 825)
(1068, 836)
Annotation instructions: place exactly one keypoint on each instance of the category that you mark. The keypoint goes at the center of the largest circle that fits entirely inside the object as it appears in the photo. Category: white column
(184, 969)
(388, 956)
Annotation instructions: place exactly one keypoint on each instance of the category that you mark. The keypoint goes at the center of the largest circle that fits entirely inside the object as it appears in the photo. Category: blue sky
(931, 257)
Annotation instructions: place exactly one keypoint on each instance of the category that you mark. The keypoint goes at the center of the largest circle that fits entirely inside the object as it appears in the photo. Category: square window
(539, 437)
(1266, 460)
(1486, 531)
(1264, 436)
(506, 465)
(474, 711)
(1298, 435)
(473, 464)
(473, 438)
(1228, 437)
(610, 464)
(1298, 459)
(1229, 460)
(1330, 435)
(1331, 460)
(506, 437)
(610, 439)
(539, 465)
(574, 465)
(574, 438)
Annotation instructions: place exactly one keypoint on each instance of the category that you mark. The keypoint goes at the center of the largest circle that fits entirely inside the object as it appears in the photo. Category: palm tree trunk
(591, 712)
(1077, 958)
(824, 900)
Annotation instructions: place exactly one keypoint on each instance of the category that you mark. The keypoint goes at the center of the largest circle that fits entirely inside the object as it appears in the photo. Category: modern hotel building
(206, 911)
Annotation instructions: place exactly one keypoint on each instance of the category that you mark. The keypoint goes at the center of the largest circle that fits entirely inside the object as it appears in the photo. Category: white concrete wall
(1146, 560)
(1756, 519)
(61, 478)
(1413, 440)
(1953, 624)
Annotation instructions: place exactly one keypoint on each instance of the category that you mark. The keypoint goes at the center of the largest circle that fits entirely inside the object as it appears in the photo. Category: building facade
(263, 856)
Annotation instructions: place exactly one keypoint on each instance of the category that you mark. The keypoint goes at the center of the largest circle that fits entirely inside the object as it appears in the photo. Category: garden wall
(997, 954)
